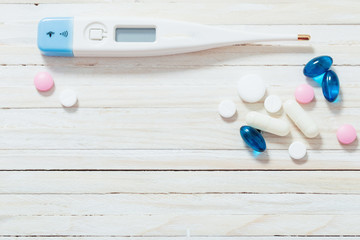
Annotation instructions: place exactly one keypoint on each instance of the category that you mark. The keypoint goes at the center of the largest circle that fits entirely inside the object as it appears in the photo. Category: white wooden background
(145, 155)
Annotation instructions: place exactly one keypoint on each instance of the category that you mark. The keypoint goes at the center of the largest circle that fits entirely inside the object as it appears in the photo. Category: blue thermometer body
(55, 36)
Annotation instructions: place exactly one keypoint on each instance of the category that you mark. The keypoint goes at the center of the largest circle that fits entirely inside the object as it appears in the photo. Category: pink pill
(304, 93)
(43, 81)
(346, 134)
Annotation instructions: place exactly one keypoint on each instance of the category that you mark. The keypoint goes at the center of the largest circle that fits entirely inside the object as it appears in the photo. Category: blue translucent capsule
(253, 138)
(330, 86)
(317, 66)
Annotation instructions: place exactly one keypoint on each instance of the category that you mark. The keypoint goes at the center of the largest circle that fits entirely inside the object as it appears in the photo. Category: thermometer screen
(135, 35)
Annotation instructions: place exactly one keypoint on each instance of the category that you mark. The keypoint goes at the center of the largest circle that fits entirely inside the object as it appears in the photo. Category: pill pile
(44, 82)
(251, 89)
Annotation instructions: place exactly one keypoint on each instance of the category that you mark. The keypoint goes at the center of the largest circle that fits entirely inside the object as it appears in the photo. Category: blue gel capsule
(253, 138)
(330, 86)
(317, 66)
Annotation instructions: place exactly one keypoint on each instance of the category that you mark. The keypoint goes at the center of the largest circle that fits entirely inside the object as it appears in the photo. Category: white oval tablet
(272, 104)
(68, 98)
(227, 109)
(297, 150)
(251, 88)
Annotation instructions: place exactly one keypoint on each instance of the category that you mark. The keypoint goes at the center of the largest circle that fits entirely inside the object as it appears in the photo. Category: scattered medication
(346, 134)
(253, 138)
(227, 109)
(251, 88)
(268, 124)
(297, 150)
(304, 122)
(330, 86)
(304, 93)
(317, 66)
(43, 81)
(68, 98)
(272, 104)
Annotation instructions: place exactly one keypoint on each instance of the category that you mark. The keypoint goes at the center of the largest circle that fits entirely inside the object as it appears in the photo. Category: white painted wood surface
(145, 155)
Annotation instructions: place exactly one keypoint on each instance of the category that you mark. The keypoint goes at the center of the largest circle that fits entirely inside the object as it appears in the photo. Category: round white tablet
(297, 150)
(272, 104)
(68, 98)
(251, 88)
(227, 109)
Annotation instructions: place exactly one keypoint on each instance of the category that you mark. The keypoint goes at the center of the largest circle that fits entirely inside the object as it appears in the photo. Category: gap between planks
(170, 237)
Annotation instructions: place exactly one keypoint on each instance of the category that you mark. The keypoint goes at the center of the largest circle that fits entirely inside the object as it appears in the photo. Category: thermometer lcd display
(135, 35)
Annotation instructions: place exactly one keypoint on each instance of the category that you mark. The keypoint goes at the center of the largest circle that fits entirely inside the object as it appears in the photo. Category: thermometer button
(96, 34)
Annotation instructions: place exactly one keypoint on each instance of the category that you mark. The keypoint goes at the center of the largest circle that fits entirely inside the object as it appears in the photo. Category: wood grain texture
(149, 129)
(144, 155)
(177, 204)
(199, 225)
(81, 182)
(174, 160)
(209, 12)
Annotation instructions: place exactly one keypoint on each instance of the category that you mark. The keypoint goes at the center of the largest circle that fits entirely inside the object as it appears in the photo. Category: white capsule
(268, 124)
(301, 118)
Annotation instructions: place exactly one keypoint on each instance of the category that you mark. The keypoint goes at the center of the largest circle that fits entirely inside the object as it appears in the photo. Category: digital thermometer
(117, 37)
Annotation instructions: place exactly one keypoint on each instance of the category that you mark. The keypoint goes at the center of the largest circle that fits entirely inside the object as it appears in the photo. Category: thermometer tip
(304, 37)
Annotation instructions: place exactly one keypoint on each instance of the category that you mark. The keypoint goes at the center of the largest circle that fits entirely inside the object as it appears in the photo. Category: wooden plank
(211, 12)
(223, 77)
(18, 38)
(178, 204)
(151, 118)
(179, 182)
(245, 55)
(17, 32)
(175, 160)
(154, 128)
(178, 225)
(195, 97)
(164, 88)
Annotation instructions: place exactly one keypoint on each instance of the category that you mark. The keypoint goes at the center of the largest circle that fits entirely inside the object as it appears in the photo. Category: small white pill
(251, 88)
(227, 109)
(297, 150)
(272, 104)
(68, 98)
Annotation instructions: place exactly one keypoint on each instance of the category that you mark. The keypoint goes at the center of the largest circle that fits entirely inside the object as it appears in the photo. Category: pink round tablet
(346, 134)
(43, 81)
(304, 93)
